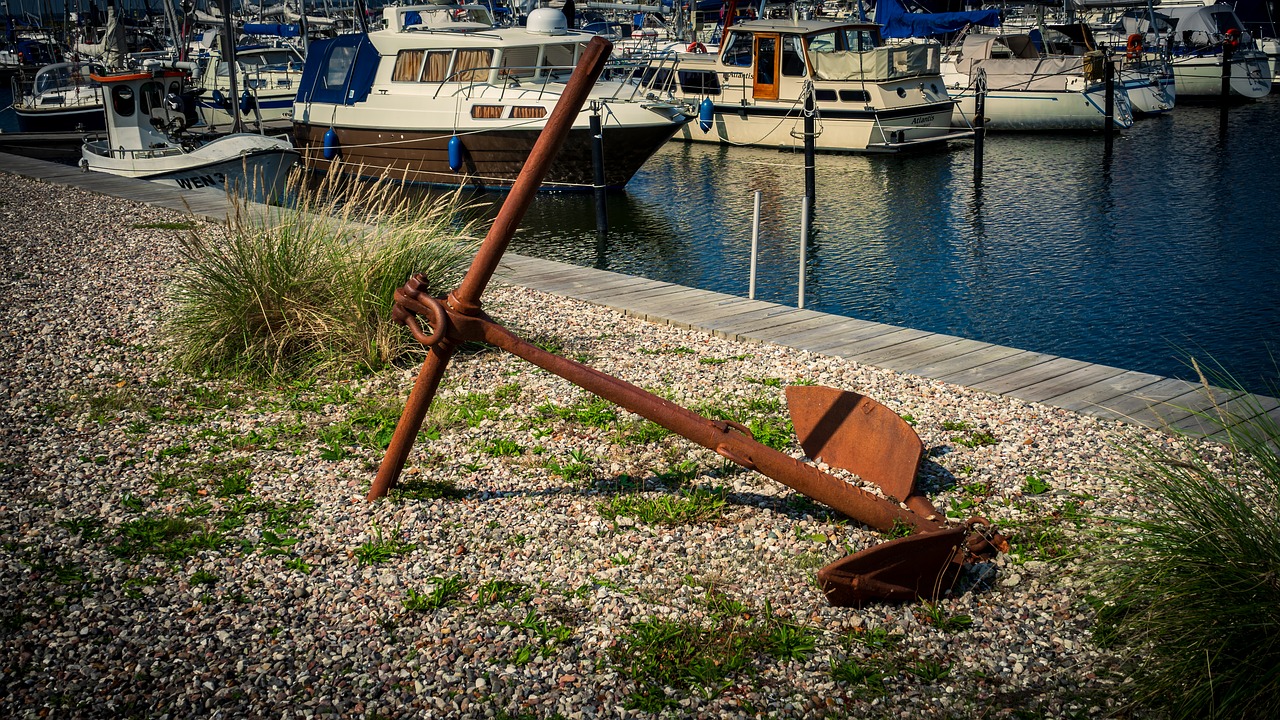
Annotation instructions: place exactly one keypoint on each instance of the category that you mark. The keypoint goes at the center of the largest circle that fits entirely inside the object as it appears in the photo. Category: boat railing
(626, 76)
(101, 149)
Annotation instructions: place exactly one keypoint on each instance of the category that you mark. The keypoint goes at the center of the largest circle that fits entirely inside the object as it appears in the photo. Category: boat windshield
(843, 40)
(61, 77)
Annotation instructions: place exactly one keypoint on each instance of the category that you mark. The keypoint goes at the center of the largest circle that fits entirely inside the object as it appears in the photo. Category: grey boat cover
(1012, 62)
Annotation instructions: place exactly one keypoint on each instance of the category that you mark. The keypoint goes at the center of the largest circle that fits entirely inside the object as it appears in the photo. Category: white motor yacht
(440, 96)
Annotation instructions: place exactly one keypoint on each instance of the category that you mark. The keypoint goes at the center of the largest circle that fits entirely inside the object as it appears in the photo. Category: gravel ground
(179, 547)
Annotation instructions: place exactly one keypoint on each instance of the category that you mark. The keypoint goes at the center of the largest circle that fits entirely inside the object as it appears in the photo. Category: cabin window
(519, 61)
(472, 65)
(408, 65)
(843, 39)
(151, 96)
(657, 78)
(792, 57)
(528, 111)
(340, 59)
(699, 82)
(766, 48)
(559, 56)
(824, 95)
(122, 101)
(737, 52)
(855, 96)
(487, 112)
(437, 66)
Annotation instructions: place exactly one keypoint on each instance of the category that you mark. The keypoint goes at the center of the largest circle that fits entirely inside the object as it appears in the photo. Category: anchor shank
(467, 297)
(729, 441)
(424, 390)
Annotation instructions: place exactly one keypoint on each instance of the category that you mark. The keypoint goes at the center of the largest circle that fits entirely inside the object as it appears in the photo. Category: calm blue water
(1170, 251)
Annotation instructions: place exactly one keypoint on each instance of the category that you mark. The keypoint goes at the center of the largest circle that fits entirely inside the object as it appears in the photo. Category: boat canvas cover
(899, 23)
(274, 29)
(339, 70)
(883, 63)
(1022, 69)
(1203, 25)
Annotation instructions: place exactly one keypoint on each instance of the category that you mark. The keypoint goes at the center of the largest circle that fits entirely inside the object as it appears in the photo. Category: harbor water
(1168, 250)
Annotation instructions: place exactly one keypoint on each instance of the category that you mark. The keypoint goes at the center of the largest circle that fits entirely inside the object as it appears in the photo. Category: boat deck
(1087, 388)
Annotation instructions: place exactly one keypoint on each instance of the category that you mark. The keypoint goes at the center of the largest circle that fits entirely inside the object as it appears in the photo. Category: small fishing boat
(442, 97)
(63, 96)
(869, 97)
(145, 138)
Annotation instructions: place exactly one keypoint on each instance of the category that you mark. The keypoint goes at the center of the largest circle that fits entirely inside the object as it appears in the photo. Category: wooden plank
(1039, 372)
(865, 331)
(1086, 398)
(1251, 414)
(809, 333)
(1146, 406)
(997, 368)
(858, 349)
(895, 357)
(981, 354)
(1067, 382)
(782, 317)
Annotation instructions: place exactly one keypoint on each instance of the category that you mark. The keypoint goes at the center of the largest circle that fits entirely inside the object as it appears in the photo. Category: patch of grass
(929, 670)
(642, 432)
(667, 660)
(865, 678)
(493, 592)
(502, 447)
(576, 470)
(165, 225)
(444, 591)
(203, 577)
(955, 425)
(1042, 538)
(87, 527)
(308, 287)
(472, 408)
(685, 508)
(173, 538)
(678, 474)
(1188, 591)
(381, 549)
(936, 615)
(591, 411)
(419, 487)
(1034, 484)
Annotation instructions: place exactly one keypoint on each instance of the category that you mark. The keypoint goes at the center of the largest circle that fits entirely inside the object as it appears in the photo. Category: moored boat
(442, 97)
(63, 96)
(869, 97)
(145, 121)
(1203, 35)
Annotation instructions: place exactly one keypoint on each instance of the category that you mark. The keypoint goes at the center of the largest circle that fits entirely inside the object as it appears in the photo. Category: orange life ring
(696, 47)
(1133, 48)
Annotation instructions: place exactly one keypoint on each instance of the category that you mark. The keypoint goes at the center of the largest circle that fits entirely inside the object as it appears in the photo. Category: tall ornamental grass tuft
(1192, 595)
(304, 289)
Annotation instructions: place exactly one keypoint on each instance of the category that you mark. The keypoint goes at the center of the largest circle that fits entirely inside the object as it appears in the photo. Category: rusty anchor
(844, 429)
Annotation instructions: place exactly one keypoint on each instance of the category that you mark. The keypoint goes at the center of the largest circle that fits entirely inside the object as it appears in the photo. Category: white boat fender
(455, 153)
(331, 144)
(706, 112)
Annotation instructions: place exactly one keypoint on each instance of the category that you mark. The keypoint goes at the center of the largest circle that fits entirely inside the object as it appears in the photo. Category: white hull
(1044, 110)
(1201, 75)
(1271, 46)
(1151, 91)
(253, 162)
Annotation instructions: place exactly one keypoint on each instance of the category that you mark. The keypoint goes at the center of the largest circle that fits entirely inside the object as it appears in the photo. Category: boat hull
(491, 159)
(840, 131)
(1200, 76)
(79, 119)
(1046, 110)
(261, 171)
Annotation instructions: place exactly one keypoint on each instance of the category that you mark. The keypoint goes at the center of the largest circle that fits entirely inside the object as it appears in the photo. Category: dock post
(597, 163)
(755, 248)
(1226, 88)
(810, 133)
(804, 245)
(1109, 118)
(979, 122)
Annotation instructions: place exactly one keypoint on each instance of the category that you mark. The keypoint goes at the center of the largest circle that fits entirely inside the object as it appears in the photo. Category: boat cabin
(138, 120)
(774, 59)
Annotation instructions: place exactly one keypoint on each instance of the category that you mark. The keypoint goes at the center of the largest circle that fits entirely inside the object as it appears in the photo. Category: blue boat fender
(706, 111)
(455, 153)
(246, 102)
(331, 144)
(219, 100)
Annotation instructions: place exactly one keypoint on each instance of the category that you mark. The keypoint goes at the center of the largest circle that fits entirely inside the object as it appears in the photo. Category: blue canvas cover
(899, 23)
(276, 29)
(339, 70)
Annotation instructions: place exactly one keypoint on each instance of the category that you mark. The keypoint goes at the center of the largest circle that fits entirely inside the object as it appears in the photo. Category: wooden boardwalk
(1082, 387)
